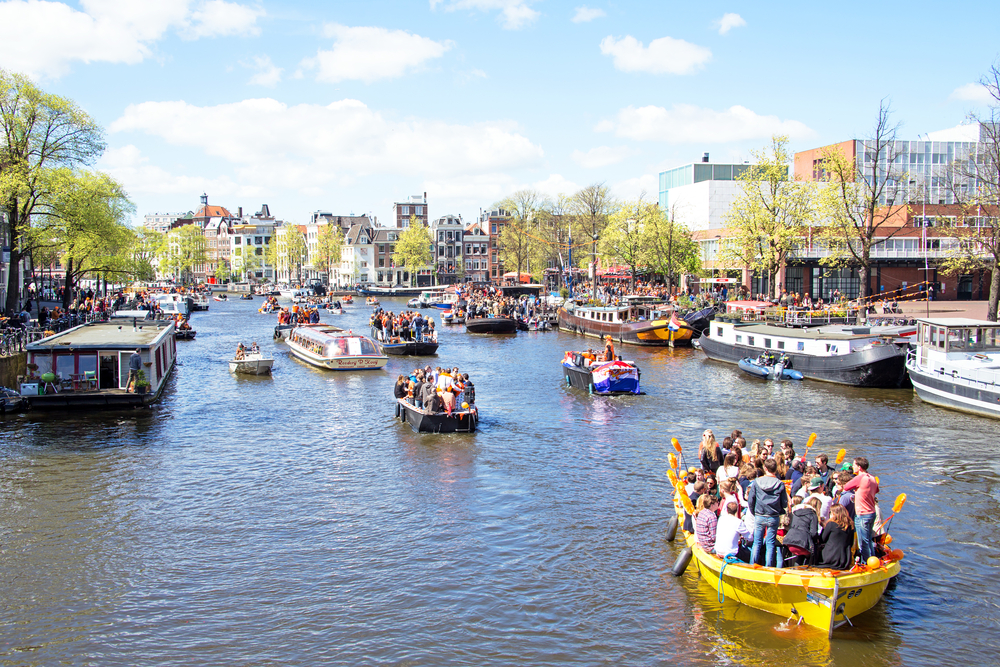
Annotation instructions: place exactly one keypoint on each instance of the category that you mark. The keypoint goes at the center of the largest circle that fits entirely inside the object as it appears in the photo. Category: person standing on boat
(609, 349)
(134, 366)
(865, 488)
(767, 501)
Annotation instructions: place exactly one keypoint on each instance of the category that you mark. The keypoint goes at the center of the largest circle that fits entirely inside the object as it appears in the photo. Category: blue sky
(350, 106)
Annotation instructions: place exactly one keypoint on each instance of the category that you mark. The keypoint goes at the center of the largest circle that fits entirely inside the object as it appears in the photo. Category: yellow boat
(822, 598)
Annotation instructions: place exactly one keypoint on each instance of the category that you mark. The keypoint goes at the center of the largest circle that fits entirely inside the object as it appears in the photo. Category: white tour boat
(956, 364)
(333, 348)
(252, 363)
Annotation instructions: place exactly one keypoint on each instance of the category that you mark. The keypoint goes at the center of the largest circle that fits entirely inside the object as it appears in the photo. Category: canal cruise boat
(88, 366)
(332, 348)
(956, 364)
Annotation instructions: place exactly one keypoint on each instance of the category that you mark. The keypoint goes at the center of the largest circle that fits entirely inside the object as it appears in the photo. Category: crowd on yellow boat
(436, 389)
(766, 505)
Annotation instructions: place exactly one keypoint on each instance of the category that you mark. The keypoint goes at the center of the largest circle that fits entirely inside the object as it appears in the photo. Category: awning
(523, 277)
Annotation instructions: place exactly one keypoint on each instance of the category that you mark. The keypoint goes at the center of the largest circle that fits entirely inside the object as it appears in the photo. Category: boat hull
(460, 421)
(251, 366)
(933, 388)
(355, 363)
(491, 325)
(410, 349)
(579, 377)
(651, 333)
(822, 598)
(878, 366)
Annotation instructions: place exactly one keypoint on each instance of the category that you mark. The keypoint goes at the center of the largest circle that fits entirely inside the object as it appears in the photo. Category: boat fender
(397, 409)
(682, 562)
(672, 528)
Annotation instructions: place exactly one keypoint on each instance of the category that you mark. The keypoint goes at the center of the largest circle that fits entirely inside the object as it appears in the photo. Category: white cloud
(728, 22)
(646, 186)
(556, 185)
(687, 123)
(273, 145)
(602, 156)
(218, 18)
(267, 74)
(514, 14)
(369, 54)
(972, 92)
(50, 36)
(129, 166)
(586, 14)
(665, 55)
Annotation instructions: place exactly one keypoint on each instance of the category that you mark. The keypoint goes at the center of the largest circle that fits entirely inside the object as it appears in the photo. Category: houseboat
(174, 304)
(88, 366)
(639, 321)
(857, 356)
(956, 364)
(333, 348)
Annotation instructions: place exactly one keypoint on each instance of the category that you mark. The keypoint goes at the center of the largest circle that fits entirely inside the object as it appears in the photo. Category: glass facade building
(696, 173)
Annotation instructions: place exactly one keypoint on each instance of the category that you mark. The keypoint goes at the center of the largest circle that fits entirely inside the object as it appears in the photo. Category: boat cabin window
(44, 362)
(718, 332)
(781, 345)
(767, 342)
(739, 338)
(750, 340)
(800, 346)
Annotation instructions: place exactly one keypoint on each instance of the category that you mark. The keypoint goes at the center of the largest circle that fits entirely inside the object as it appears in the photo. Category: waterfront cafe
(88, 365)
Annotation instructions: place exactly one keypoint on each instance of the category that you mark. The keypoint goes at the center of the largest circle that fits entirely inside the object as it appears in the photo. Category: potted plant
(141, 382)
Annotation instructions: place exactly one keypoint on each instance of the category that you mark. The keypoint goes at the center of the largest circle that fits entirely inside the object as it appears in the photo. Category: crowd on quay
(435, 390)
(408, 326)
(491, 302)
(768, 506)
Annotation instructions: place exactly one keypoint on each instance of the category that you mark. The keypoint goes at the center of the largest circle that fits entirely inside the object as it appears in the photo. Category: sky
(350, 106)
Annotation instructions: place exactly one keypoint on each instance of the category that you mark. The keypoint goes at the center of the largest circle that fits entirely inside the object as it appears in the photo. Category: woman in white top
(729, 468)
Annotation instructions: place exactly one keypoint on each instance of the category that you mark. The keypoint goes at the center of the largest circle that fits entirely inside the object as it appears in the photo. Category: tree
(329, 245)
(183, 250)
(519, 239)
(413, 249)
(672, 251)
(222, 271)
(291, 251)
(626, 235)
(40, 132)
(246, 261)
(591, 207)
(768, 217)
(83, 218)
(149, 245)
(862, 201)
(975, 185)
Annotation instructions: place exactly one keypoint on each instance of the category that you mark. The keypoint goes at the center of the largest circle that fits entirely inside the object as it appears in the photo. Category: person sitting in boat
(470, 390)
(254, 349)
(184, 325)
(731, 533)
(399, 389)
(240, 352)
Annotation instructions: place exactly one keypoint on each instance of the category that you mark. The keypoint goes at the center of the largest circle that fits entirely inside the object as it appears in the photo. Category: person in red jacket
(865, 488)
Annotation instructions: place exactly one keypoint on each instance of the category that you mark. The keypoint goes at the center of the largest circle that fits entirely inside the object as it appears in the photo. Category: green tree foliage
(291, 251)
(329, 245)
(246, 261)
(671, 250)
(519, 240)
(183, 250)
(626, 235)
(83, 217)
(40, 132)
(413, 249)
(979, 226)
(861, 205)
(769, 216)
(148, 247)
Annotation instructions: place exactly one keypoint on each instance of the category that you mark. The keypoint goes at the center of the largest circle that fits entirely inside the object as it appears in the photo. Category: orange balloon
(887, 540)
(897, 554)
(874, 562)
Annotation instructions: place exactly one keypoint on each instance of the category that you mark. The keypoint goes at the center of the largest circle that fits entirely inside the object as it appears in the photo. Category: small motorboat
(246, 297)
(348, 299)
(373, 301)
(185, 334)
(535, 324)
(11, 401)
(452, 316)
(413, 303)
(769, 367)
(605, 378)
(463, 419)
(252, 363)
(334, 310)
(413, 348)
(220, 298)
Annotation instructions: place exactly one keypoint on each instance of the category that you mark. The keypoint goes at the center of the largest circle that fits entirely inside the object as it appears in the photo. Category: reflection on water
(293, 520)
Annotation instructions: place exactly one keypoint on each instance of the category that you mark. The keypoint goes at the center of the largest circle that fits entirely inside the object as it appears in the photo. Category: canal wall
(11, 367)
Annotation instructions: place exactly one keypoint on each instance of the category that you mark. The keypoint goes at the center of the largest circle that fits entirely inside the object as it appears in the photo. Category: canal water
(293, 520)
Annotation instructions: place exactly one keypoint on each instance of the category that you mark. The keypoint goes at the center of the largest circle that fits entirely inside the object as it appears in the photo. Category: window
(381, 262)
(258, 251)
(781, 345)
(450, 253)
(381, 248)
(468, 248)
(493, 229)
(767, 342)
(739, 338)
(258, 240)
(440, 251)
(405, 210)
(237, 239)
(379, 276)
(718, 331)
(750, 341)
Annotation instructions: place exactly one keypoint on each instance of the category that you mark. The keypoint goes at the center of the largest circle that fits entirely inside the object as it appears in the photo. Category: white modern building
(161, 222)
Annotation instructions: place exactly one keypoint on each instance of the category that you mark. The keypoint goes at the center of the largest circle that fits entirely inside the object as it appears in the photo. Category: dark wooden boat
(460, 421)
(423, 348)
(638, 322)
(491, 325)
(247, 297)
(185, 334)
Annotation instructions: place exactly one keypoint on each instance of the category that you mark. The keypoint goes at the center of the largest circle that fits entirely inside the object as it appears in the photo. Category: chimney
(425, 197)
(704, 158)
(241, 213)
